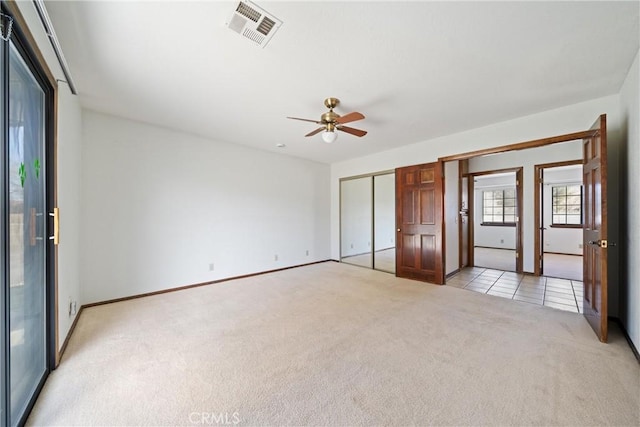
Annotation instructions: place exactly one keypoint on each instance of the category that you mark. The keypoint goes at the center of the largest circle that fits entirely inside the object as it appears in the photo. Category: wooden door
(539, 246)
(464, 222)
(595, 228)
(419, 221)
(519, 217)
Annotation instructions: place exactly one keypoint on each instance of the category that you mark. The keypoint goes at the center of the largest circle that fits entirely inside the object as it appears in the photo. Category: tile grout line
(575, 297)
(517, 287)
(474, 278)
(494, 282)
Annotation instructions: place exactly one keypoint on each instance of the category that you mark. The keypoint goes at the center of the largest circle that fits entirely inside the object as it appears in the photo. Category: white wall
(160, 206)
(560, 240)
(630, 294)
(68, 180)
(69, 204)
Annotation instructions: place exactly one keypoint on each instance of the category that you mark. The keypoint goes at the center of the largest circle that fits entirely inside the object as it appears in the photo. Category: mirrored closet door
(367, 221)
(356, 201)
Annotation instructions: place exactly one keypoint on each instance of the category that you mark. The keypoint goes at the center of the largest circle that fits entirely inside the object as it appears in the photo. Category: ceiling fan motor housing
(329, 117)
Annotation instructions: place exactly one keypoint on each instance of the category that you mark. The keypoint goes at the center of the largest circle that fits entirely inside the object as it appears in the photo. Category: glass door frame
(25, 44)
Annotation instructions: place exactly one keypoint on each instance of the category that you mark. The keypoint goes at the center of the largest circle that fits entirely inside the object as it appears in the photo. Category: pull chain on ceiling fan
(331, 121)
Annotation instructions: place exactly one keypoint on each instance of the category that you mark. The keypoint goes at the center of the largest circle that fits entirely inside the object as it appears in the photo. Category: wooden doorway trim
(471, 188)
(535, 143)
(519, 200)
(537, 209)
(522, 145)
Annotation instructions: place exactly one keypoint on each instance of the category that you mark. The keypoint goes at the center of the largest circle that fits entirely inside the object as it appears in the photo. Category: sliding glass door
(27, 240)
(26, 299)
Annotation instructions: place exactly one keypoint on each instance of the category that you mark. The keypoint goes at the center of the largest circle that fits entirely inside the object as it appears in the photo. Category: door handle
(602, 243)
(56, 226)
(398, 230)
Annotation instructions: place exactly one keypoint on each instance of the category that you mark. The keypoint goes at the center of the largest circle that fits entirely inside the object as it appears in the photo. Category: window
(566, 203)
(499, 207)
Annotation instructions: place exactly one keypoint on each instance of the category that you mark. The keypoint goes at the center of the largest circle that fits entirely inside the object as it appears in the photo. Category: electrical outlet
(579, 245)
(352, 246)
(275, 257)
(211, 267)
(307, 252)
(501, 240)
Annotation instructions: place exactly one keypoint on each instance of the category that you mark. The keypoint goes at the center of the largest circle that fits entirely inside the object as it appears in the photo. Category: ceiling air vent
(253, 23)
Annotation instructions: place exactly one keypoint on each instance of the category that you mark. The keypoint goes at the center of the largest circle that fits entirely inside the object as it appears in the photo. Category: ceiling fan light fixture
(331, 122)
(329, 136)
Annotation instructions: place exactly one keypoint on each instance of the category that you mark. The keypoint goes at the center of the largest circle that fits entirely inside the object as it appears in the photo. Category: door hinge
(517, 255)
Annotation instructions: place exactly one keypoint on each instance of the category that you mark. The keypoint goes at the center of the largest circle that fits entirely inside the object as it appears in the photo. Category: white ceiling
(416, 70)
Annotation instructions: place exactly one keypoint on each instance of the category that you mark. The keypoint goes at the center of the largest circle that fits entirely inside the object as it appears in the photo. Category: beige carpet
(333, 344)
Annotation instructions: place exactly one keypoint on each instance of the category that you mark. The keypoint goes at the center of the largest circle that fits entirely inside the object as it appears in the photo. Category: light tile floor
(552, 292)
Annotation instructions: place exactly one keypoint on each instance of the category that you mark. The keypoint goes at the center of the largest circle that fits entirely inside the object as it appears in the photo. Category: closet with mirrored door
(367, 221)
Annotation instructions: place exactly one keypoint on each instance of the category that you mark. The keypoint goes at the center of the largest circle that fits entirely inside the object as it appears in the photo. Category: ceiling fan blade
(305, 120)
(320, 129)
(351, 117)
(352, 131)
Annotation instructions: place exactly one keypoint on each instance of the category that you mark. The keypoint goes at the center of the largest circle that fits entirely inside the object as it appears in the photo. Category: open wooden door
(595, 228)
(519, 213)
(463, 227)
(419, 221)
(539, 214)
(463, 218)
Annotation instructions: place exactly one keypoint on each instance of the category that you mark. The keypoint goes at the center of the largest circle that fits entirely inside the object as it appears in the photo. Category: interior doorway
(495, 218)
(559, 220)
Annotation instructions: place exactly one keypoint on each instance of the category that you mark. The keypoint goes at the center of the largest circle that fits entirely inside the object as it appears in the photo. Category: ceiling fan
(332, 121)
